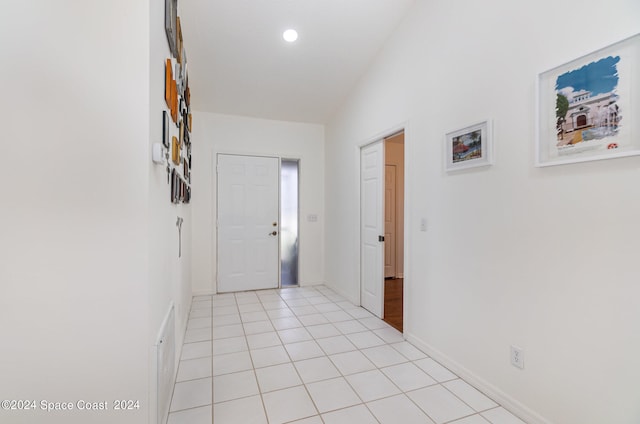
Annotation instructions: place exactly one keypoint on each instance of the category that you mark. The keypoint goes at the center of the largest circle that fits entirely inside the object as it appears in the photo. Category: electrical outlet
(517, 357)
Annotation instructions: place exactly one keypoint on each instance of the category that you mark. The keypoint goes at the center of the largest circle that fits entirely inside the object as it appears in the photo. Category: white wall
(169, 275)
(74, 240)
(213, 134)
(549, 255)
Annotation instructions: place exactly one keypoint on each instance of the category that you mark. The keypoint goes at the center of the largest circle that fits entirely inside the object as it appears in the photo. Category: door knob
(275, 233)
(275, 224)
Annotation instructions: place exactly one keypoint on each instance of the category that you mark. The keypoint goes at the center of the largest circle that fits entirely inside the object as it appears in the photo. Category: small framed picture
(469, 147)
(174, 185)
(168, 79)
(183, 186)
(174, 102)
(175, 151)
(179, 40)
(185, 169)
(170, 25)
(165, 129)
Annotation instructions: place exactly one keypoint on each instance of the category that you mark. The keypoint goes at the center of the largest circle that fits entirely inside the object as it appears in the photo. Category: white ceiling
(239, 64)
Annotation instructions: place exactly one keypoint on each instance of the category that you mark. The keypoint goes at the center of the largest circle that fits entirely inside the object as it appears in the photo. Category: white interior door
(248, 229)
(372, 227)
(390, 256)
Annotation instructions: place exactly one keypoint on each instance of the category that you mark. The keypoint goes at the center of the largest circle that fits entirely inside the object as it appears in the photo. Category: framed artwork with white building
(588, 108)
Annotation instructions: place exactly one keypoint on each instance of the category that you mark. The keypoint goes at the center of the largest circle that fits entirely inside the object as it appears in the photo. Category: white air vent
(166, 359)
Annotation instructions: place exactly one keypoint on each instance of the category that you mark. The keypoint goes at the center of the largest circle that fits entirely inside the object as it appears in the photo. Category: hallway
(307, 355)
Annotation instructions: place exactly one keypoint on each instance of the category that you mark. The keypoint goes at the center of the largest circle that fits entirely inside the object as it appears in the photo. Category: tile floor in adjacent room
(308, 356)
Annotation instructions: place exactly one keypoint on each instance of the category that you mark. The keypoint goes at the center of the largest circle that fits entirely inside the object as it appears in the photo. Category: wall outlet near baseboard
(517, 357)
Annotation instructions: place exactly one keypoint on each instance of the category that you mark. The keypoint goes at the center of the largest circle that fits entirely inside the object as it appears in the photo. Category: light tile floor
(308, 356)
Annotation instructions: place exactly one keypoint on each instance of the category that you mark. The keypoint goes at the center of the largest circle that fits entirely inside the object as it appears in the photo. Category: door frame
(407, 274)
(213, 234)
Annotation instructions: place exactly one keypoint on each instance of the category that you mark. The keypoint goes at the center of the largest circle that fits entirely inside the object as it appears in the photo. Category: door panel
(372, 227)
(248, 205)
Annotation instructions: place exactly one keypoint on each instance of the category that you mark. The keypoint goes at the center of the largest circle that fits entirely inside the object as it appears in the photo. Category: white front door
(372, 228)
(248, 228)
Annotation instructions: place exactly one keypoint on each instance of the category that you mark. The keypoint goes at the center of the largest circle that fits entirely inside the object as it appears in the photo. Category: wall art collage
(177, 121)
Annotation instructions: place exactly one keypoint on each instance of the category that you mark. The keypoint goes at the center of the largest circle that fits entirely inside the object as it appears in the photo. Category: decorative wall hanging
(175, 151)
(174, 185)
(182, 186)
(178, 99)
(174, 102)
(185, 170)
(178, 53)
(170, 23)
(168, 80)
(177, 74)
(181, 141)
(187, 196)
(469, 147)
(587, 107)
(165, 129)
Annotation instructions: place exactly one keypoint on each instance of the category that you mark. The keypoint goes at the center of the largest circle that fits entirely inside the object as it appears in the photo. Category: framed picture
(170, 25)
(469, 147)
(165, 129)
(178, 40)
(587, 108)
(174, 102)
(178, 77)
(183, 69)
(174, 185)
(168, 81)
(175, 151)
(187, 195)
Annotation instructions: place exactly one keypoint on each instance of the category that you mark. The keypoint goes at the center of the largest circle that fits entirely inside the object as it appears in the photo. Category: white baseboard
(202, 293)
(515, 407)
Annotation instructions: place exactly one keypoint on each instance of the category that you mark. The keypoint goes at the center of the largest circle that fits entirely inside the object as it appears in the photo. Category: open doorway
(382, 228)
(394, 230)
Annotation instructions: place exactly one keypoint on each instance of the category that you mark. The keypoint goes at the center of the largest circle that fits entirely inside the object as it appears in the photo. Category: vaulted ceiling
(239, 64)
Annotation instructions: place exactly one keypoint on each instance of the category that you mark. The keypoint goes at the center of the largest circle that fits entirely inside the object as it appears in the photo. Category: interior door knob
(275, 233)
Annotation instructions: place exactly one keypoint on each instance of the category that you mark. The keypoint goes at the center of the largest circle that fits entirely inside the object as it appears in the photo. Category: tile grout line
(368, 328)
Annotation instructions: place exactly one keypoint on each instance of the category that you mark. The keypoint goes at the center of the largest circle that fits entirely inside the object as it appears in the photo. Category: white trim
(203, 293)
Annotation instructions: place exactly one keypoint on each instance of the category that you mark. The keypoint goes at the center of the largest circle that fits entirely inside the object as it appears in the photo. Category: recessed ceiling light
(290, 35)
